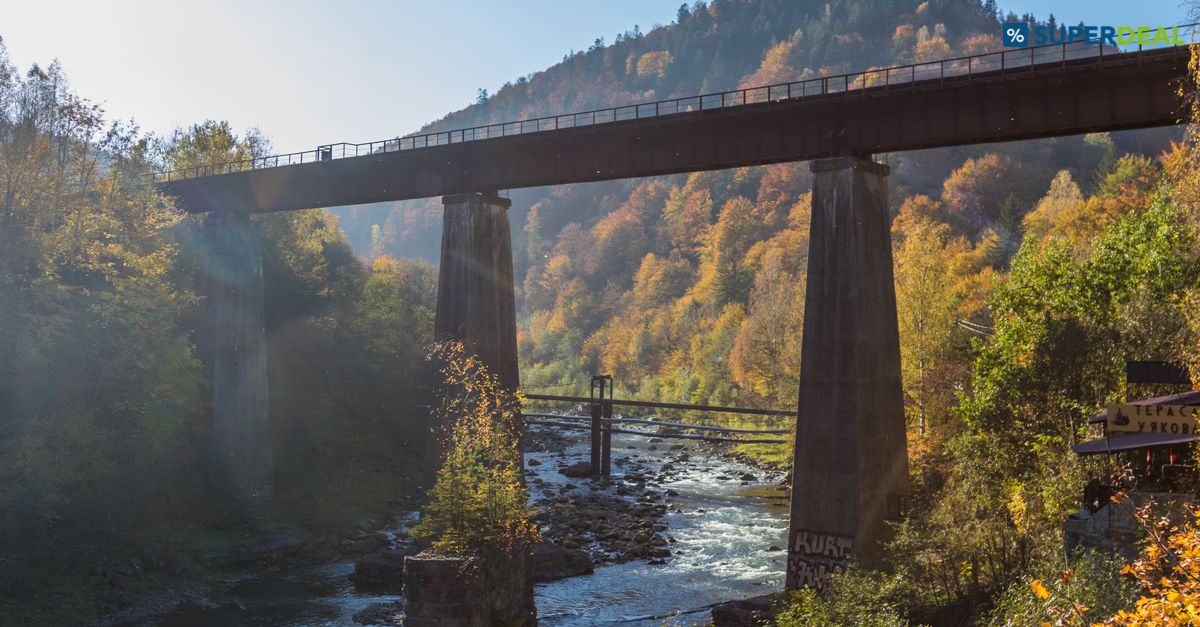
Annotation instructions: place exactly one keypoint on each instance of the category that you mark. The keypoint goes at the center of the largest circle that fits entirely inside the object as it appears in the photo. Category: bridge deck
(859, 116)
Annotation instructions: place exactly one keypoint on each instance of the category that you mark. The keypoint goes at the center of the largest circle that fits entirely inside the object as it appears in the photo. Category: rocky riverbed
(676, 527)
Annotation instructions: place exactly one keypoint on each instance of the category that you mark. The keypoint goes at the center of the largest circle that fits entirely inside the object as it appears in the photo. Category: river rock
(579, 470)
(553, 562)
(381, 614)
(265, 548)
(365, 545)
(380, 568)
(750, 612)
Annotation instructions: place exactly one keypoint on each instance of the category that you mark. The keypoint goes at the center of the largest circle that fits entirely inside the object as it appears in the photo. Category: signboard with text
(1173, 419)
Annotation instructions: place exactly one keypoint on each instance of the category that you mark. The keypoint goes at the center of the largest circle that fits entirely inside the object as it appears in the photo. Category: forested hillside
(690, 288)
(105, 414)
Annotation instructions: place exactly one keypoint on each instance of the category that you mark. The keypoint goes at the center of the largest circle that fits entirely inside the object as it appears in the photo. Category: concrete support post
(233, 343)
(476, 304)
(851, 458)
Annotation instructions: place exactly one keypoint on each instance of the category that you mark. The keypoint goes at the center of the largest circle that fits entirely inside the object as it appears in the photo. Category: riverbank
(205, 578)
(703, 517)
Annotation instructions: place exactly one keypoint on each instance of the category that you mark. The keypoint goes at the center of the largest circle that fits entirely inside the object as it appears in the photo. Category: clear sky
(315, 72)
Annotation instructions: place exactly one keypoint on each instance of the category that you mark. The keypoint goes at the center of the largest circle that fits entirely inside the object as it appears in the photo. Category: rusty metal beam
(1110, 93)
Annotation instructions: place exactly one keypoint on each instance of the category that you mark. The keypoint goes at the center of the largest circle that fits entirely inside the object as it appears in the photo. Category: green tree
(1066, 323)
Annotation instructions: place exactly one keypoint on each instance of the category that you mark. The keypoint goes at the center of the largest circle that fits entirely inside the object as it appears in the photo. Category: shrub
(479, 496)
(855, 598)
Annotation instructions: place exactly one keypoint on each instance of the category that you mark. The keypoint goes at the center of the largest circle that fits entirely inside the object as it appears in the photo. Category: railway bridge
(850, 469)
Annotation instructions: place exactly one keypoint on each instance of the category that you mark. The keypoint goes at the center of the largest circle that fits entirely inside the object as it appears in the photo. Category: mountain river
(723, 529)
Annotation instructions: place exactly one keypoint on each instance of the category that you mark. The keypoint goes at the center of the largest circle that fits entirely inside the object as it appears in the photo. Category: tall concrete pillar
(475, 302)
(233, 343)
(851, 458)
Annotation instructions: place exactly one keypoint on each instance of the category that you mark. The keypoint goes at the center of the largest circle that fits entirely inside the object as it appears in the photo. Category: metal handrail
(1025, 59)
(712, 408)
(662, 424)
(706, 438)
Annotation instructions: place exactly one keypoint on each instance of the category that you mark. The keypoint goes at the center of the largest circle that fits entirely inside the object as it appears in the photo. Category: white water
(723, 546)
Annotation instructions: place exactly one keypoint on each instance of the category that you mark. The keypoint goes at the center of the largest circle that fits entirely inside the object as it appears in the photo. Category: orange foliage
(779, 189)
(688, 230)
(903, 39)
(975, 193)
(1125, 191)
(981, 44)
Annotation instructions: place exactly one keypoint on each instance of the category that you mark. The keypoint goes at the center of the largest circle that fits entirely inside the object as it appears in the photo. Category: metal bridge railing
(601, 422)
(1014, 60)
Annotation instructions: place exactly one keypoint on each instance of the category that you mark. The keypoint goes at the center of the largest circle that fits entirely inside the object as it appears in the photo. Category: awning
(1185, 398)
(1132, 442)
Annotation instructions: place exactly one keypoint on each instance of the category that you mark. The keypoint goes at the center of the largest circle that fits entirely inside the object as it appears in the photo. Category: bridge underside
(1111, 93)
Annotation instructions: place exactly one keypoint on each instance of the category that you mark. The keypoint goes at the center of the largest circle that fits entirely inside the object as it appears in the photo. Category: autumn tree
(210, 143)
(926, 309)
(766, 354)
(1064, 195)
(776, 68)
(975, 193)
(933, 49)
(731, 237)
(654, 65)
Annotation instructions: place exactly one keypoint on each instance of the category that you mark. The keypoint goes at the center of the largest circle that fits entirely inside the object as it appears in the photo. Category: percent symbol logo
(1015, 35)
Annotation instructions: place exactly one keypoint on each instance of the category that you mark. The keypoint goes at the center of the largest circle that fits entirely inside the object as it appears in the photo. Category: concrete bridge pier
(233, 344)
(851, 460)
(476, 304)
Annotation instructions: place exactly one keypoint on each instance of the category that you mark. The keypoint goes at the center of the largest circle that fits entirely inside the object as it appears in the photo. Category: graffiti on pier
(814, 556)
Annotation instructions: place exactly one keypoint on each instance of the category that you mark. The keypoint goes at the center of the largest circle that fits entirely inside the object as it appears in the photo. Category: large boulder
(751, 612)
(268, 548)
(381, 568)
(582, 469)
(366, 545)
(552, 562)
(381, 614)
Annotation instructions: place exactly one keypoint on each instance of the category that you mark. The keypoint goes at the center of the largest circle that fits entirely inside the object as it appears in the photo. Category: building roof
(1131, 442)
(1184, 398)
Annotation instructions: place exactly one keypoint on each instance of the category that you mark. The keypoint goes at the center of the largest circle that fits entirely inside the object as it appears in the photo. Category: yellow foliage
(775, 69)
(925, 308)
(932, 49)
(654, 64)
(1064, 195)
(479, 496)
